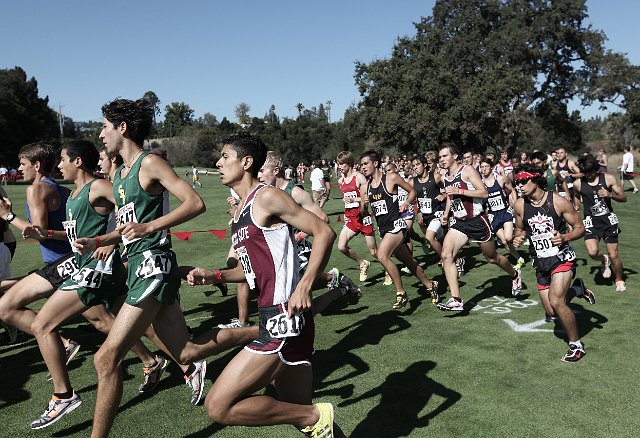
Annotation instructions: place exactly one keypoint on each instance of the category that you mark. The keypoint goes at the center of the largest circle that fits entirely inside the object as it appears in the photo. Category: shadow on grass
(586, 319)
(404, 395)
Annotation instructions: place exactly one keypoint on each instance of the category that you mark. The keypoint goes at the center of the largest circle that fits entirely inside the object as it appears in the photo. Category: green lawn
(416, 372)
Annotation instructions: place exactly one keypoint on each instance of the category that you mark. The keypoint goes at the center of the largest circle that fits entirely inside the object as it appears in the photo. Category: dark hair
(42, 153)
(422, 159)
(247, 145)
(540, 180)
(112, 156)
(85, 150)
(453, 149)
(138, 115)
(588, 164)
(489, 161)
(372, 155)
(539, 155)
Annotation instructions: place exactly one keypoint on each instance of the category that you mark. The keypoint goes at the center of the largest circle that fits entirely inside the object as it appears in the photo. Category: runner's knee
(40, 327)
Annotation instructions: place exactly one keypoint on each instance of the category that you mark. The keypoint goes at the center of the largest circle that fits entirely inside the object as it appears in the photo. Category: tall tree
(24, 116)
(242, 113)
(153, 99)
(177, 116)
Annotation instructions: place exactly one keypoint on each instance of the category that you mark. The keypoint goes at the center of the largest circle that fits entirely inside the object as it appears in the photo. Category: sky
(215, 55)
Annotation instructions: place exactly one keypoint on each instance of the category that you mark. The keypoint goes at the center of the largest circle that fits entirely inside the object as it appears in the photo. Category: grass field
(416, 372)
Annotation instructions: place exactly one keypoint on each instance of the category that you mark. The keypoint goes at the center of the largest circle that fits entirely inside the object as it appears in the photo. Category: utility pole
(61, 123)
(329, 110)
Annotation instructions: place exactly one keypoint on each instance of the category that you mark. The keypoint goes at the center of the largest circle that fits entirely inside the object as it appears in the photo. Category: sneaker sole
(162, 368)
(66, 411)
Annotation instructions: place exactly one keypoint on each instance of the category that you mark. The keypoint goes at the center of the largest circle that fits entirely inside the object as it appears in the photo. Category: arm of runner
(520, 234)
(36, 198)
(396, 179)
(304, 200)
(616, 193)
(577, 198)
(445, 216)
(276, 203)
(154, 168)
(571, 217)
(574, 170)
(88, 244)
(202, 276)
(363, 186)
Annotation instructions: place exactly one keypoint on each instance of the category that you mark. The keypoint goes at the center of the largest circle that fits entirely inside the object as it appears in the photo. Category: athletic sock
(190, 370)
(64, 395)
(577, 343)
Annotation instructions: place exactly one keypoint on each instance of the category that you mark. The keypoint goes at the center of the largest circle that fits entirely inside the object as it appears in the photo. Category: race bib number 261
(281, 326)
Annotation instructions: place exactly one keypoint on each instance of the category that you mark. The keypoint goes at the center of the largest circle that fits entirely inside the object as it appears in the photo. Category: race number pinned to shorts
(567, 254)
(495, 203)
(87, 277)
(425, 205)
(126, 214)
(457, 207)
(588, 223)
(379, 207)
(70, 229)
(613, 219)
(155, 264)
(543, 246)
(281, 326)
(399, 224)
(367, 220)
(249, 274)
(68, 267)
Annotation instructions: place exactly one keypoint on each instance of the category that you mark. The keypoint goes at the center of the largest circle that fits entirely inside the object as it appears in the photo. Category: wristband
(97, 239)
(217, 276)
(49, 234)
(567, 237)
(299, 236)
(461, 191)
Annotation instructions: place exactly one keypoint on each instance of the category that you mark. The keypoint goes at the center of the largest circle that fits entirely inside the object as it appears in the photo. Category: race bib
(349, 199)
(613, 219)
(457, 207)
(399, 224)
(510, 210)
(281, 326)
(567, 254)
(304, 249)
(563, 194)
(126, 214)
(599, 209)
(87, 277)
(495, 203)
(70, 229)
(367, 220)
(155, 264)
(543, 246)
(425, 205)
(379, 207)
(68, 267)
(402, 196)
(249, 274)
(588, 223)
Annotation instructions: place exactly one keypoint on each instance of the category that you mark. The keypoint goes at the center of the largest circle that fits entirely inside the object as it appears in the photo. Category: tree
(483, 72)
(24, 116)
(242, 114)
(299, 107)
(153, 99)
(177, 116)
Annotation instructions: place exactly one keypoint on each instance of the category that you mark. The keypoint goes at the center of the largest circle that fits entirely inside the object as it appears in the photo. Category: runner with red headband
(540, 215)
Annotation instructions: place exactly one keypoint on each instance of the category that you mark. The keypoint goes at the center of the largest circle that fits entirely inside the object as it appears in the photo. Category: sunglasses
(522, 181)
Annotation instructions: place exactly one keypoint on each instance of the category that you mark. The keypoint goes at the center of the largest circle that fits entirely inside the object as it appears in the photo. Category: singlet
(497, 200)
(551, 181)
(594, 205)
(564, 172)
(463, 207)
(268, 255)
(384, 205)
(350, 190)
(137, 205)
(54, 249)
(83, 221)
(541, 223)
(427, 192)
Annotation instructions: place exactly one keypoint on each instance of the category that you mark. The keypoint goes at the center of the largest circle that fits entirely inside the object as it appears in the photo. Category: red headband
(523, 175)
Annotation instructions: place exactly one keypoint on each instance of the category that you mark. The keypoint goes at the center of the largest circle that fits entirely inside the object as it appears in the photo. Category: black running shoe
(575, 353)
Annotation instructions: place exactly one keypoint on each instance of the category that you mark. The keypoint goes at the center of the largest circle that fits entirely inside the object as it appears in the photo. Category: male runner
(626, 171)
(540, 215)
(264, 242)
(431, 203)
(356, 219)
(465, 192)
(596, 190)
(568, 171)
(153, 276)
(382, 193)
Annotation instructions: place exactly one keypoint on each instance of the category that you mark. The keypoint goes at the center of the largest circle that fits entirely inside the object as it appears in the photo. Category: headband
(523, 175)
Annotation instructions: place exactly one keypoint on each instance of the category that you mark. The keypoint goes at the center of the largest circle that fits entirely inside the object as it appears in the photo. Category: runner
(596, 190)
(356, 218)
(382, 193)
(540, 216)
(568, 171)
(263, 240)
(195, 177)
(465, 192)
(626, 171)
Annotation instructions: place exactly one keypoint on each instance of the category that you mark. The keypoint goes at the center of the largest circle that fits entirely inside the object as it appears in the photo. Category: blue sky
(214, 55)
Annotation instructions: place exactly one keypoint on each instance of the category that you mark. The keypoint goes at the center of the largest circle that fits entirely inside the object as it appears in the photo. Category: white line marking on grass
(527, 328)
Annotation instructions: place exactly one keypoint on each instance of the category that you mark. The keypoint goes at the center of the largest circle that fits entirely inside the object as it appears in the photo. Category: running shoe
(57, 409)
(606, 267)
(433, 291)
(582, 292)
(11, 331)
(324, 426)
(519, 264)
(196, 381)
(364, 267)
(152, 375)
(405, 270)
(575, 353)
(348, 286)
(401, 301)
(460, 265)
(452, 305)
(621, 286)
(335, 279)
(235, 323)
(549, 318)
(70, 352)
(516, 283)
(387, 279)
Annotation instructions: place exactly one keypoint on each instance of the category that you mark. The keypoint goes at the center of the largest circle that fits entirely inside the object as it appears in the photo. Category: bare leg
(491, 255)
(453, 243)
(13, 303)
(243, 302)
(558, 289)
(343, 244)
(404, 255)
(388, 246)
(616, 261)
